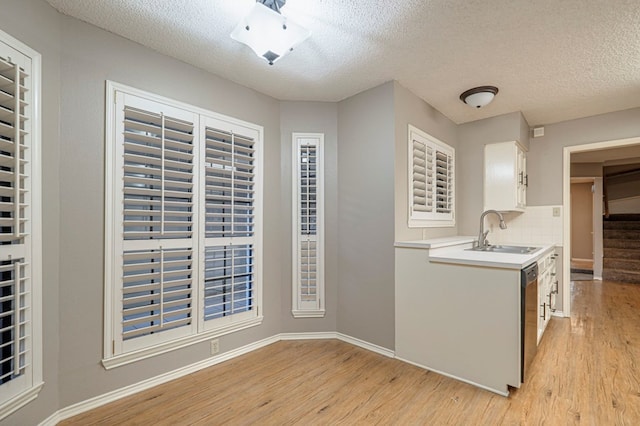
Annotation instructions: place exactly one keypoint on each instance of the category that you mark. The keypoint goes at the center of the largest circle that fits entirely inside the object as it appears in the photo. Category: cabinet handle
(526, 181)
(544, 310)
(521, 178)
(556, 289)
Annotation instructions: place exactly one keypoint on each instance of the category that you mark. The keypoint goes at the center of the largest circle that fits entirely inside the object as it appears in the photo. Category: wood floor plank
(587, 371)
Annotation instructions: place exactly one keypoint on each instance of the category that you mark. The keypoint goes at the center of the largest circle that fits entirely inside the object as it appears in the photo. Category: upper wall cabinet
(505, 177)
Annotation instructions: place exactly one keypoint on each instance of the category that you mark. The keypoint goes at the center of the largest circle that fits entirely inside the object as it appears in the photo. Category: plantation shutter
(158, 154)
(422, 177)
(444, 181)
(182, 225)
(16, 265)
(308, 244)
(230, 205)
(431, 180)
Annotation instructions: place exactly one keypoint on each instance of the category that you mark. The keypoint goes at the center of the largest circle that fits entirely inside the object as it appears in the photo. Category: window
(20, 237)
(183, 225)
(230, 224)
(308, 226)
(431, 181)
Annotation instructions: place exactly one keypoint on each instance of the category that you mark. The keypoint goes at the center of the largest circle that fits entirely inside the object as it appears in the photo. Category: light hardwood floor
(587, 371)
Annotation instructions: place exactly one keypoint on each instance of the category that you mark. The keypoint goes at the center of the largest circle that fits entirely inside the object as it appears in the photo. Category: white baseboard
(308, 336)
(366, 345)
(558, 314)
(442, 373)
(345, 338)
(100, 400)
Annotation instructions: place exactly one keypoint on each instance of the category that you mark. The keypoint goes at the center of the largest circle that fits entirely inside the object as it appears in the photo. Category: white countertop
(453, 250)
(489, 259)
(436, 242)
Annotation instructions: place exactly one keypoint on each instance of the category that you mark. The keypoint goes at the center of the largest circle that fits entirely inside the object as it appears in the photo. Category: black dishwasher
(529, 317)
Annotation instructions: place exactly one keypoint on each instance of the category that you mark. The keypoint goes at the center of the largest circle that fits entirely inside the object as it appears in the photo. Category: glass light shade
(480, 99)
(269, 34)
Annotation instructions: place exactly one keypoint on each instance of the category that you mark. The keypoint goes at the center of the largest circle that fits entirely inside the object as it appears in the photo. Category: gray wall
(544, 160)
(311, 117)
(366, 216)
(472, 137)
(410, 109)
(77, 59)
(89, 57)
(361, 211)
(35, 24)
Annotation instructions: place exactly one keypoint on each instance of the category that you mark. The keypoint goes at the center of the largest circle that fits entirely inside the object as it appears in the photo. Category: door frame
(566, 208)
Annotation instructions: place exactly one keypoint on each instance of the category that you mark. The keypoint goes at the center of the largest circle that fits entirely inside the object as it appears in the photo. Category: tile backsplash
(536, 225)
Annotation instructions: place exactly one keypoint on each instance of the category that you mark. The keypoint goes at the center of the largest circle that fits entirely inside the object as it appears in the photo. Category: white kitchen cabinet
(547, 290)
(505, 177)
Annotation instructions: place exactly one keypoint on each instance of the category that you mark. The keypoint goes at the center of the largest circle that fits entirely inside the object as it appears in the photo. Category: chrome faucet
(482, 235)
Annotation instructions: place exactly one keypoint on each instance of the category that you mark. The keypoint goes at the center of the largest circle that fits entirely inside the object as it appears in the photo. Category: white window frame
(20, 391)
(114, 353)
(432, 218)
(307, 308)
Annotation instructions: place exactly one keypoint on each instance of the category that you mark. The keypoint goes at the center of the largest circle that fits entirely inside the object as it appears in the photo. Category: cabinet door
(554, 283)
(523, 178)
(504, 177)
(541, 304)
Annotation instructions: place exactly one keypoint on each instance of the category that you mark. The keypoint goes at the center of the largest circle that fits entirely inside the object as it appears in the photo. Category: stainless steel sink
(506, 249)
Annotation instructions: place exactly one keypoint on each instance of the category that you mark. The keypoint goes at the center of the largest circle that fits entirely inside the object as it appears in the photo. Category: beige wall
(586, 170)
(311, 117)
(623, 186)
(409, 109)
(581, 221)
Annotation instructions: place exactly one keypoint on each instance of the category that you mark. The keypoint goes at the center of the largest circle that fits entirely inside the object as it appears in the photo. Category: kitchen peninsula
(458, 311)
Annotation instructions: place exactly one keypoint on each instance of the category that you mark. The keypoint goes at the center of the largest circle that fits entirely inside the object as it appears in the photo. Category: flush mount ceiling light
(479, 96)
(267, 32)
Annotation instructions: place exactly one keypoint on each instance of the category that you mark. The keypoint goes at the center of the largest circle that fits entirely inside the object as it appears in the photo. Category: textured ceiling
(553, 60)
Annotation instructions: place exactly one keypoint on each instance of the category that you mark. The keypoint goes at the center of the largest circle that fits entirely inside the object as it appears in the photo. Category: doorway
(598, 152)
(582, 250)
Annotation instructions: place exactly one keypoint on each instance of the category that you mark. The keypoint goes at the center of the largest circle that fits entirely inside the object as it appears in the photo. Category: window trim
(112, 359)
(31, 392)
(436, 220)
(297, 310)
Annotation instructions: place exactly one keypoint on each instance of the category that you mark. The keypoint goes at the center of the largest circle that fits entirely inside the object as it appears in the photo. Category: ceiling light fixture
(267, 32)
(479, 96)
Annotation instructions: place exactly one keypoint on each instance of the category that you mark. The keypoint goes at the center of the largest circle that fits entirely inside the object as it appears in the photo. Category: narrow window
(308, 225)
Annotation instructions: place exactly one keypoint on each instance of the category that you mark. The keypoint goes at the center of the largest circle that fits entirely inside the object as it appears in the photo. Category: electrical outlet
(556, 212)
(215, 346)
